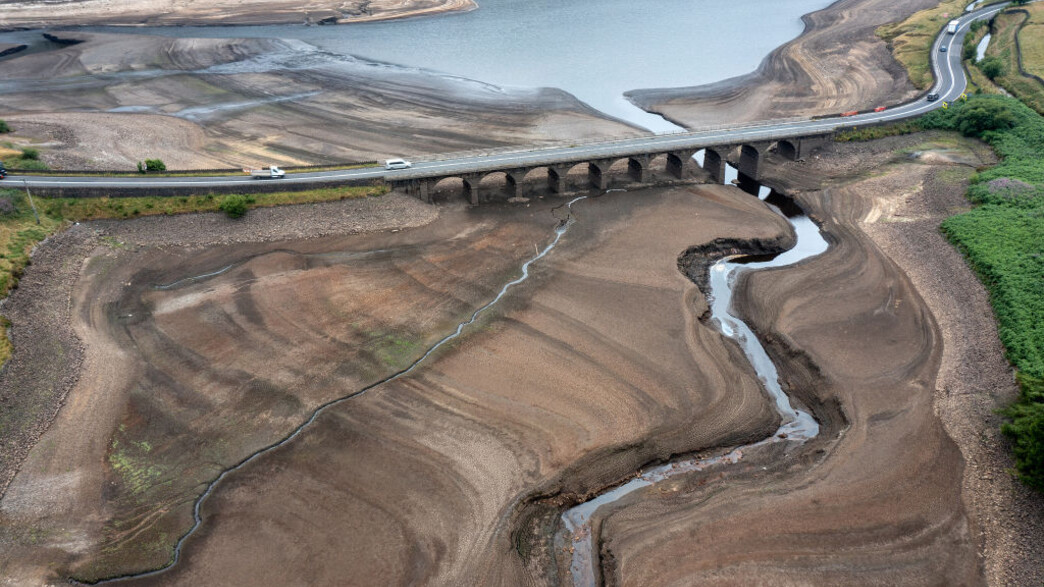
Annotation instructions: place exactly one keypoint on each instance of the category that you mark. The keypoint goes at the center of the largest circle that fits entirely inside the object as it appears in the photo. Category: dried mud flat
(838, 64)
(108, 101)
(36, 14)
(569, 386)
(595, 367)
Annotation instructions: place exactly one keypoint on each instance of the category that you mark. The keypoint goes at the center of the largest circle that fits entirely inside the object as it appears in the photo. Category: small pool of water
(980, 51)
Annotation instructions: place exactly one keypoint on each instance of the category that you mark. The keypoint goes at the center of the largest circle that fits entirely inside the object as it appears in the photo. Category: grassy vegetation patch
(19, 233)
(130, 460)
(1003, 240)
(98, 208)
(17, 157)
(1004, 51)
(871, 133)
(1031, 39)
(911, 40)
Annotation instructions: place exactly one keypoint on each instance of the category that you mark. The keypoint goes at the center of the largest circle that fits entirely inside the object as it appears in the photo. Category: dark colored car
(3, 171)
(942, 49)
(933, 97)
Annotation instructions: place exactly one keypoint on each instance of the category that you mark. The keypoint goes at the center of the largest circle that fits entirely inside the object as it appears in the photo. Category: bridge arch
(750, 159)
(598, 172)
(788, 149)
(444, 189)
(500, 182)
(714, 161)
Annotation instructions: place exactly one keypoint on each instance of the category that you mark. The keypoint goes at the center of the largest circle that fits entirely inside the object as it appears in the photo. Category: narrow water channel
(980, 51)
(797, 426)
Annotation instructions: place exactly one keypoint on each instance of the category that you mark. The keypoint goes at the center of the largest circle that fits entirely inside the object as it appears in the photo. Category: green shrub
(1003, 240)
(3, 127)
(155, 165)
(979, 118)
(1026, 431)
(992, 67)
(141, 167)
(28, 164)
(30, 153)
(970, 51)
(235, 206)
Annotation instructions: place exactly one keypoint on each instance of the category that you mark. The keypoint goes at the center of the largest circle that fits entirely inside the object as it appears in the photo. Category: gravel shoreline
(46, 361)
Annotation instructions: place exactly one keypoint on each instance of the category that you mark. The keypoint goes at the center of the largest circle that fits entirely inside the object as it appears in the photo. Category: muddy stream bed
(797, 425)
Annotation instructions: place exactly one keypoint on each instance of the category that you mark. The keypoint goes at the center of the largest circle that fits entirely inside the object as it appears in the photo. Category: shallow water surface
(594, 49)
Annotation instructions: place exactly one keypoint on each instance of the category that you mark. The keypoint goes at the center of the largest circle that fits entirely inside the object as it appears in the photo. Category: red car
(3, 171)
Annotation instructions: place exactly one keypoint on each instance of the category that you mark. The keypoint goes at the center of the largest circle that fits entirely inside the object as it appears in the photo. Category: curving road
(950, 83)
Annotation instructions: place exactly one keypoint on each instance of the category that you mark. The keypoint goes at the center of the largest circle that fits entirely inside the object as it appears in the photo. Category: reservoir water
(594, 49)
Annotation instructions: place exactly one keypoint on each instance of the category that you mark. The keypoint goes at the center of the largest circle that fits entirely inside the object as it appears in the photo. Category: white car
(397, 164)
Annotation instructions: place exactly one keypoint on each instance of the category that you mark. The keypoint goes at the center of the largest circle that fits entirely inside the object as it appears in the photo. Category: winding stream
(797, 426)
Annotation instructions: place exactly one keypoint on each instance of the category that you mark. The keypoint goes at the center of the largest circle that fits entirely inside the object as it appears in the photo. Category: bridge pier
(798, 149)
(676, 161)
(751, 156)
(638, 167)
(425, 189)
(514, 177)
(748, 184)
(598, 173)
(714, 162)
(418, 188)
(471, 187)
(556, 179)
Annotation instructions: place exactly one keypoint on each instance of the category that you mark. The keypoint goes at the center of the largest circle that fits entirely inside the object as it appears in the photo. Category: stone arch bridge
(747, 157)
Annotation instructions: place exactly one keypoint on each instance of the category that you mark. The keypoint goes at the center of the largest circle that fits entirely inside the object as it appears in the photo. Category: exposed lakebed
(594, 50)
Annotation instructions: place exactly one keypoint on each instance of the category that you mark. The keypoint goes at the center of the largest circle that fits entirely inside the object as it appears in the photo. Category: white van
(397, 164)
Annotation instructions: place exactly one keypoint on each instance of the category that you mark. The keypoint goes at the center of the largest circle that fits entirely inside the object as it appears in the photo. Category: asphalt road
(950, 84)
